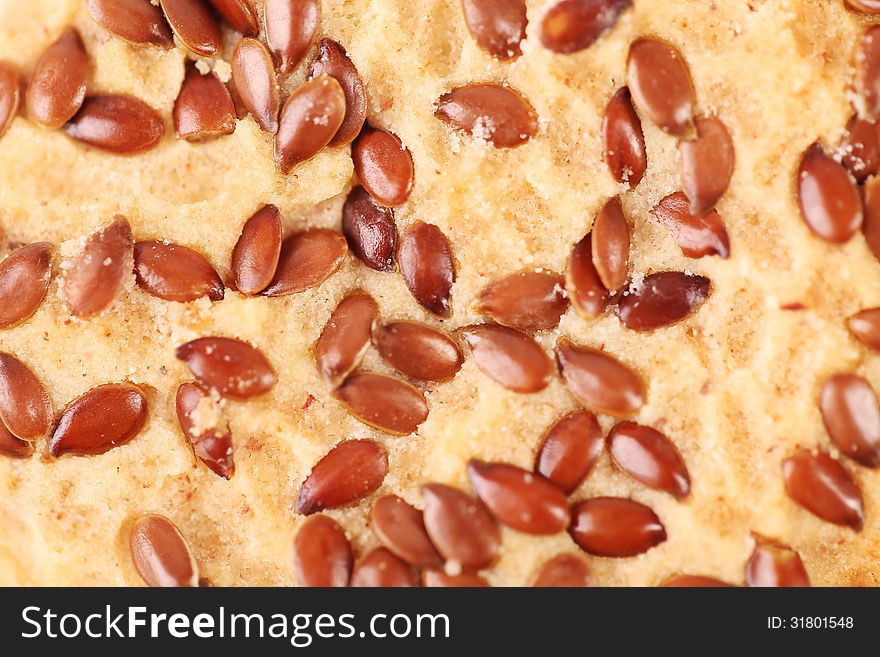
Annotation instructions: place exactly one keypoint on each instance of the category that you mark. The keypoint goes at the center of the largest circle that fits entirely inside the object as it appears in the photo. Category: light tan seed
(588, 295)
(97, 273)
(491, 112)
(118, 124)
(256, 253)
(25, 275)
(306, 260)
(253, 75)
(136, 21)
(569, 450)
(332, 60)
(349, 472)
(205, 430)
(459, 527)
(565, 570)
(707, 164)
(10, 95)
(346, 337)
(696, 236)
(509, 357)
(57, 87)
(498, 26)
(194, 25)
(239, 14)
(309, 120)
(624, 141)
(661, 85)
(232, 367)
(401, 528)
(598, 380)
(532, 300)
(775, 565)
(610, 244)
(160, 553)
(203, 108)
(322, 554)
(418, 351)
(380, 568)
(25, 409)
(384, 402)
(428, 267)
(175, 273)
(383, 166)
(291, 26)
(572, 25)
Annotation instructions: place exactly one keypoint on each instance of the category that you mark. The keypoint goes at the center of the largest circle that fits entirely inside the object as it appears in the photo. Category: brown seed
(194, 25)
(707, 164)
(204, 429)
(118, 124)
(25, 408)
(253, 75)
(291, 26)
(25, 275)
(518, 498)
(662, 299)
(384, 402)
(383, 165)
(491, 112)
(700, 236)
(309, 119)
(306, 260)
(661, 85)
(203, 108)
(860, 148)
(10, 95)
(418, 351)
(346, 337)
(239, 14)
(98, 272)
(864, 325)
(828, 197)
(531, 300)
(160, 553)
(615, 527)
(573, 25)
(773, 564)
(610, 244)
(459, 527)
(427, 267)
(233, 367)
(175, 273)
(498, 26)
(823, 487)
(57, 87)
(370, 230)
(380, 568)
(585, 288)
(256, 253)
(401, 528)
(650, 457)
(332, 60)
(869, 63)
(12, 447)
(105, 417)
(851, 414)
(349, 472)
(509, 357)
(569, 450)
(436, 578)
(565, 570)
(693, 581)
(625, 152)
(867, 6)
(322, 554)
(871, 226)
(598, 380)
(136, 21)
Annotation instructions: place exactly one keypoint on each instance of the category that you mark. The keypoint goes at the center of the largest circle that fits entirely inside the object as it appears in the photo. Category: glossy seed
(10, 95)
(322, 554)
(697, 237)
(775, 565)
(346, 337)
(860, 148)
(380, 568)
(233, 367)
(498, 26)
(598, 380)
(866, 6)
(573, 25)
(491, 112)
(136, 21)
(309, 120)
(370, 230)
(349, 472)
(661, 85)
(662, 299)
(103, 418)
(624, 141)
(828, 197)
(650, 457)
(851, 414)
(57, 87)
(160, 553)
(584, 286)
(25, 409)
(610, 244)
(569, 450)
(427, 266)
(707, 164)
(332, 60)
(291, 26)
(25, 275)
(518, 498)
(401, 528)
(12, 447)
(383, 402)
(509, 357)
(532, 299)
(383, 166)
(203, 108)
(565, 570)
(306, 260)
(693, 581)
(256, 253)
(194, 25)
(239, 14)
(175, 273)
(459, 527)
(418, 351)
(436, 578)
(869, 63)
(871, 225)
(865, 326)
(823, 487)
(253, 75)
(615, 527)
(117, 124)
(206, 431)
(96, 275)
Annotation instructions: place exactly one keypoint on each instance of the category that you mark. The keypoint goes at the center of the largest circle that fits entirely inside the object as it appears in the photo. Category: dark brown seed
(401, 529)
(25, 275)
(696, 236)
(598, 380)
(256, 253)
(239, 14)
(418, 351)
(380, 568)
(518, 498)
(851, 414)
(384, 402)
(98, 272)
(175, 273)
(693, 581)
(57, 87)
(436, 578)
(615, 527)
(459, 527)
(870, 69)
(12, 447)
(509, 357)
(160, 553)
(253, 75)
(610, 243)
(136, 21)
(370, 230)
(573, 25)
(864, 325)
(625, 152)
(823, 487)
(309, 119)
(427, 267)
(332, 60)
(322, 554)
(498, 26)
(662, 299)
(491, 112)
(203, 108)
(383, 165)
(118, 124)
(828, 197)
(10, 95)
(194, 25)
(103, 418)
(569, 450)
(565, 570)
(349, 472)
(307, 259)
(661, 85)
(585, 288)
(860, 148)
(707, 164)
(871, 226)
(773, 564)
(867, 6)
(650, 457)
(25, 408)
(233, 367)
(346, 337)
(530, 300)
(291, 26)
(206, 431)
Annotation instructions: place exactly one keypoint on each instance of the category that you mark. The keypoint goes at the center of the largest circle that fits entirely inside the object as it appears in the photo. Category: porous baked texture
(735, 385)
